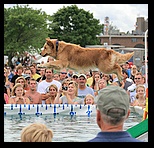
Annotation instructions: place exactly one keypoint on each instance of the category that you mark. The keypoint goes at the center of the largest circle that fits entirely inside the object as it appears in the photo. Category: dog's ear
(47, 39)
(49, 42)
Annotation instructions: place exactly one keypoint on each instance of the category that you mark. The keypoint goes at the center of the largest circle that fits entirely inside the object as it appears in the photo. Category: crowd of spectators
(48, 86)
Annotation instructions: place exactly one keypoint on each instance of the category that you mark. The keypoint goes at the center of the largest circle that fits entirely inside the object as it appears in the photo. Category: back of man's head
(112, 98)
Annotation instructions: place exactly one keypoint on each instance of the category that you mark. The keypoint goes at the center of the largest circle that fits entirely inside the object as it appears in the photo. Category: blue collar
(57, 42)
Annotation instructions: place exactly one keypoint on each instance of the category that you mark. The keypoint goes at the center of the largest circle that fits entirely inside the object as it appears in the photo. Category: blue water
(65, 128)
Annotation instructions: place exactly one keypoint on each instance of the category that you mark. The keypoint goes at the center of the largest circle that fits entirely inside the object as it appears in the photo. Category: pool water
(66, 128)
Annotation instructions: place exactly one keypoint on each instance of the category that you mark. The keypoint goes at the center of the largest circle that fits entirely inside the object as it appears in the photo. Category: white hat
(82, 75)
(74, 75)
(95, 70)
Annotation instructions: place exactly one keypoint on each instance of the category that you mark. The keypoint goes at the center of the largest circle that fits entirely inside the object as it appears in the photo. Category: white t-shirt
(43, 87)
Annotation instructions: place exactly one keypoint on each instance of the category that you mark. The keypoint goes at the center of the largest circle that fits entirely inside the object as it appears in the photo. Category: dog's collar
(57, 42)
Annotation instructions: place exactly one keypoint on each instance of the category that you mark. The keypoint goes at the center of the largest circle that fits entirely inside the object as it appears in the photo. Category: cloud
(123, 16)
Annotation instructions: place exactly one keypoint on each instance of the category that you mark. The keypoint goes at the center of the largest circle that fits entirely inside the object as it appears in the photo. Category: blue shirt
(10, 76)
(120, 136)
(129, 72)
(82, 93)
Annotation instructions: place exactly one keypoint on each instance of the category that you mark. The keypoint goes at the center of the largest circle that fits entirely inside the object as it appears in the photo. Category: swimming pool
(66, 128)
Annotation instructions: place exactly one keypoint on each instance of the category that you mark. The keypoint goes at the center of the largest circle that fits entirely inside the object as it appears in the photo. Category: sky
(123, 16)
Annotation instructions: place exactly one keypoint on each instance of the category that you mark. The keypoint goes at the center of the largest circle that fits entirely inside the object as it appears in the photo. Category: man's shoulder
(89, 88)
(122, 136)
(132, 87)
(15, 76)
(27, 92)
(129, 80)
(55, 81)
(42, 82)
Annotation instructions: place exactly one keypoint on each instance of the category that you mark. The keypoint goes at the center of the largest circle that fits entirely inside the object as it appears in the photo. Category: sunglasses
(75, 77)
(137, 78)
(63, 73)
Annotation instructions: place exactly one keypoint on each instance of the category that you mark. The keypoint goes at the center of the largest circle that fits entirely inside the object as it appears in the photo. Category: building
(141, 26)
(130, 41)
(123, 43)
(134, 40)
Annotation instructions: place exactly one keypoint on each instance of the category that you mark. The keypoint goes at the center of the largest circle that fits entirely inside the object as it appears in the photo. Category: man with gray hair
(112, 111)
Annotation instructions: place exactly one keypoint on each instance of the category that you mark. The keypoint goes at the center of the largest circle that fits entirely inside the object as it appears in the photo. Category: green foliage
(24, 29)
(75, 25)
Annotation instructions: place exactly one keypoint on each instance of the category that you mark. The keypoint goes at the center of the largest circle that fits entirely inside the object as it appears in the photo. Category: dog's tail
(122, 58)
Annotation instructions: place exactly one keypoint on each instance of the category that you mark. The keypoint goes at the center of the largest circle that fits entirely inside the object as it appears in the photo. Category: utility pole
(146, 69)
(110, 27)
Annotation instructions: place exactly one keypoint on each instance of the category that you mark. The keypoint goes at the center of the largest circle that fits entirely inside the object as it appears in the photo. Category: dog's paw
(121, 78)
(55, 67)
(41, 66)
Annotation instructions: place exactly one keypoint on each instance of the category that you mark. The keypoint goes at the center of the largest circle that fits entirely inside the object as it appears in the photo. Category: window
(134, 39)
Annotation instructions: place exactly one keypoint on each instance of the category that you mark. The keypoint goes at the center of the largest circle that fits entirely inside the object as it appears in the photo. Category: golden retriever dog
(78, 58)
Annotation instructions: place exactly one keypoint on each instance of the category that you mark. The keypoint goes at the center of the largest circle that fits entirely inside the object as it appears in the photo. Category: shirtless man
(34, 96)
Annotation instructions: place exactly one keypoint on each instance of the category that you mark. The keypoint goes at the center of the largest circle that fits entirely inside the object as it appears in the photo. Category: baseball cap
(82, 75)
(26, 76)
(74, 75)
(131, 87)
(127, 62)
(95, 70)
(112, 97)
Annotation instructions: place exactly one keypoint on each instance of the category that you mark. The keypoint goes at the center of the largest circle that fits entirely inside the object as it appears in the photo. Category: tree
(25, 29)
(75, 25)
